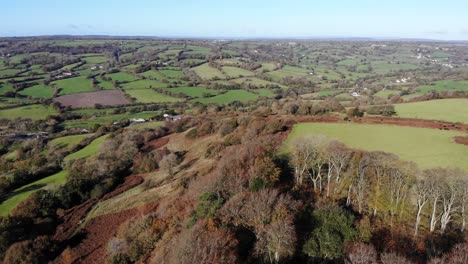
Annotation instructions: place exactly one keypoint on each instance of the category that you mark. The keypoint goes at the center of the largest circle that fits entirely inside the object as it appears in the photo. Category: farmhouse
(171, 117)
(137, 120)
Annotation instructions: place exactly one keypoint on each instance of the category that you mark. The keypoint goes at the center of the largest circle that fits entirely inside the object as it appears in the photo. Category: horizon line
(355, 38)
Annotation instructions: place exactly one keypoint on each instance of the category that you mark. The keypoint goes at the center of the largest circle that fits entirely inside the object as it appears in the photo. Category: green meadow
(428, 148)
(451, 110)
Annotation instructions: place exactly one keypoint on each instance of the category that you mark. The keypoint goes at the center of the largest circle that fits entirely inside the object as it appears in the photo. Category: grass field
(386, 93)
(34, 112)
(445, 86)
(73, 85)
(207, 72)
(427, 147)
(122, 77)
(150, 96)
(229, 97)
(235, 72)
(143, 84)
(87, 151)
(153, 74)
(22, 193)
(193, 91)
(264, 92)
(67, 141)
(38, 91)
(451, 110)
(172, 73)
(95, 59)
(106, 85)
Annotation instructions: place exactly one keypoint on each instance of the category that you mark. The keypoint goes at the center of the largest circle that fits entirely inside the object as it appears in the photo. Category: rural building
(171, 117)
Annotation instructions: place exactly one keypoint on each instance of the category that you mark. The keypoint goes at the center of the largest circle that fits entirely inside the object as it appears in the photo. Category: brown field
(79, 100)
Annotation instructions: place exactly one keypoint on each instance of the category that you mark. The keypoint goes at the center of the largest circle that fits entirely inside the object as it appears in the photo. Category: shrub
(385, 110)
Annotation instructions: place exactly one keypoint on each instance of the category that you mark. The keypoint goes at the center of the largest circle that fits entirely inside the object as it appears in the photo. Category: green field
(428, 148)
(193, 91)
(87, 151)
(143, 84)
(235, 72)
(95, 59)
(67, 141)
(22, 193)
(205, 71)
(451, 110)
(38, 91)
(73, 85)
(35, 112)
(445, 86)
(385, 93)
(122, 77)
(150, 96)
(172, 73)
(229, 97)
(264, 92)
(153, 74)
(106, 85)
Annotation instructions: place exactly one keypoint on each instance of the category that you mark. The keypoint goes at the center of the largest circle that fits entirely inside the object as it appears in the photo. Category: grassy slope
(87, 151)
(22, 193)
(427, 147)
(74, 85)
(34, 112)
(228, 97)
(452, 110)
(150, 96)
(38, 91)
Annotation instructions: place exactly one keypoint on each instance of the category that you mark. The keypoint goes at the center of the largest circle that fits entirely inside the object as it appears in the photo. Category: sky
(440, 19)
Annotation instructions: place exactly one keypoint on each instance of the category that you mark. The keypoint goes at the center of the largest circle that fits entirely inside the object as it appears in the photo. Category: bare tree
(392, 258)
(422, 192)
(433, 177)
(168, 164)
(360, 183)
(463, 188)
(361, 253)
(302, 156)
(399, 181)
(448, 197)
(379, 164)
(338, 159)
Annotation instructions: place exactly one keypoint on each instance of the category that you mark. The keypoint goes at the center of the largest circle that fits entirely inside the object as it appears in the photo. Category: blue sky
(441, 19)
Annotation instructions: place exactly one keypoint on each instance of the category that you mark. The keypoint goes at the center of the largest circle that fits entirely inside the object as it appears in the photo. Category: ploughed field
(89, 100)
(429, 148)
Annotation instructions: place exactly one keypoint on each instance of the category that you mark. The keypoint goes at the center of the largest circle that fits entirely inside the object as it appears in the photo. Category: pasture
(68, 141)
(235, 72)
(206, 72)
(88, 151)
(38, 91)
(229, 97)
(451, 110)
(193, 91)
(143, 84)
(445, 86)
(20, 194)
(150, 96)
(73, 85)
(428, 148)
(35, 112)
(122, 77)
